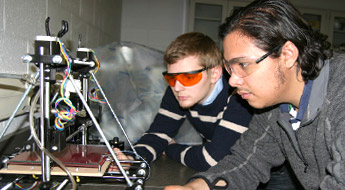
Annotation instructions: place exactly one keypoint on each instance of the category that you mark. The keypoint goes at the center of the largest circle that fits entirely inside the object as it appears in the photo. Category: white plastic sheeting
(131, 77)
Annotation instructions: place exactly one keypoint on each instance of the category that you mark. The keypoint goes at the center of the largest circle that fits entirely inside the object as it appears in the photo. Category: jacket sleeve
(163, 128)
(253, 155)
(334, 107)
(234, 122)
(336, 169)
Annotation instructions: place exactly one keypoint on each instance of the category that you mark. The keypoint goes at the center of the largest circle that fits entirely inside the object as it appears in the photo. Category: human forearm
(191, 156)
(197, 184)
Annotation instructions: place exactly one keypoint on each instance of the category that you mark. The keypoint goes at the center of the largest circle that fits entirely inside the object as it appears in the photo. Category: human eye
(243, 65)
(189, 76)
(170, 76)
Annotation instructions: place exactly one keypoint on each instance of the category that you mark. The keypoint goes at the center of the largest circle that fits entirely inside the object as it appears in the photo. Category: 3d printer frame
(54, 156)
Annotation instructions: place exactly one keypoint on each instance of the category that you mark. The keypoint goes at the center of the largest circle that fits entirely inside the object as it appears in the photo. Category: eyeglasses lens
(248, 67)
(186, 79)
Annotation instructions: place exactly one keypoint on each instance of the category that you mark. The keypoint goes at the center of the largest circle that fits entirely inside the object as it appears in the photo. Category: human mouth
(182, 98)
(244, 95)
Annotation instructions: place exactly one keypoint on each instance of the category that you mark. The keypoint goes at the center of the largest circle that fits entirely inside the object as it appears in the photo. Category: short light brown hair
(194, 44)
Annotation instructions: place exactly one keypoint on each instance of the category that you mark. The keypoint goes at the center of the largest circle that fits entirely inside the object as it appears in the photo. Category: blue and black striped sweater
(219, 123)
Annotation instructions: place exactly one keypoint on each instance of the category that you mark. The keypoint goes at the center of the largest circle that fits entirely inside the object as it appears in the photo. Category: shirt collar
(303, 105)
(216, 90)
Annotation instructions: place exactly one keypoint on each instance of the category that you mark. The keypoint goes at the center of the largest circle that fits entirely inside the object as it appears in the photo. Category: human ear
(290, 54)
(216, 73)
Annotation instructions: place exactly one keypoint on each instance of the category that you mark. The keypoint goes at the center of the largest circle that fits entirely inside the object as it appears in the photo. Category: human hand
(172, 141)
(197, 184)
(177, 187)
(122, 157)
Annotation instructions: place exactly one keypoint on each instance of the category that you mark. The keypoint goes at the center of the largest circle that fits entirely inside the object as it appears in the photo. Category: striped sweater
(220, 124)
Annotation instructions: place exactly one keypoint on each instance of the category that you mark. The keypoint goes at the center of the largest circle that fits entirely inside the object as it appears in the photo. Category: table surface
(164, 171)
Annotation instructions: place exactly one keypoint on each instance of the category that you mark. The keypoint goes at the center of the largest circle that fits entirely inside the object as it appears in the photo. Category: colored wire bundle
(68, 69)
(93, 94)
(63, 116)
(29, 188)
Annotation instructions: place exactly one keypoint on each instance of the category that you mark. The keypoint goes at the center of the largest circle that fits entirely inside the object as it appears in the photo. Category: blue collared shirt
(216, 90)
(303, 105)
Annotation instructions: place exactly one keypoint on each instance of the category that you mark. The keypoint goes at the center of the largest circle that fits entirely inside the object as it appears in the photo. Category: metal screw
(57, 59)
(141, 172)
(26, 58)
(138, 187)
(140, 181)
(143, 165)
(28, 147)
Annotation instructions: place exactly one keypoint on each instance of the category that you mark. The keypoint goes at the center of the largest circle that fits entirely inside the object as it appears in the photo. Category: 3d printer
(60, 116)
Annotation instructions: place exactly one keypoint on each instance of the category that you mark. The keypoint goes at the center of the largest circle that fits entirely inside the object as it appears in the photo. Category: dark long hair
(273, 22)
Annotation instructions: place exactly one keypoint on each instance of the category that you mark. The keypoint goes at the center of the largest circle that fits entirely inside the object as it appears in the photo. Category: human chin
(185, 104)
(255, 103)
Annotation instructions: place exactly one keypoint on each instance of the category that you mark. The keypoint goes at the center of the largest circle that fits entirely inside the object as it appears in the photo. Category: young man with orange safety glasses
(199, 92)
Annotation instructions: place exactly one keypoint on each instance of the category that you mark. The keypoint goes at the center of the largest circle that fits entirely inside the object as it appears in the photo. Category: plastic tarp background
(131, 78)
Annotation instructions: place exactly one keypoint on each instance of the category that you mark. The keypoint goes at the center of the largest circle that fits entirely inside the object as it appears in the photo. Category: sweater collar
(303, 104)
(314, 94)
(318, 93)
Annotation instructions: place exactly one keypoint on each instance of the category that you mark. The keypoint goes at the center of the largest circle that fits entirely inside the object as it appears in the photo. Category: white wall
(154, 23)
(98, 21)
(21, 20)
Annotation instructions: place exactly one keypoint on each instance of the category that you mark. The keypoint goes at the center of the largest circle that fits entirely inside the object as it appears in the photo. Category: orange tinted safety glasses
(185, 78)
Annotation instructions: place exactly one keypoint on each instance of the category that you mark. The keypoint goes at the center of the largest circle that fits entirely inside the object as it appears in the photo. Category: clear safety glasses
(243, 68)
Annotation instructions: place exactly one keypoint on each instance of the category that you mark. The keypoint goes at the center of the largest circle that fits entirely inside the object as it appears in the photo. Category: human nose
(235, 81)
(178, 86)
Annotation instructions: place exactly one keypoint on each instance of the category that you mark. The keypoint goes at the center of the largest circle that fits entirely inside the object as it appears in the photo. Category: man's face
(266, 84)
(188, 96)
